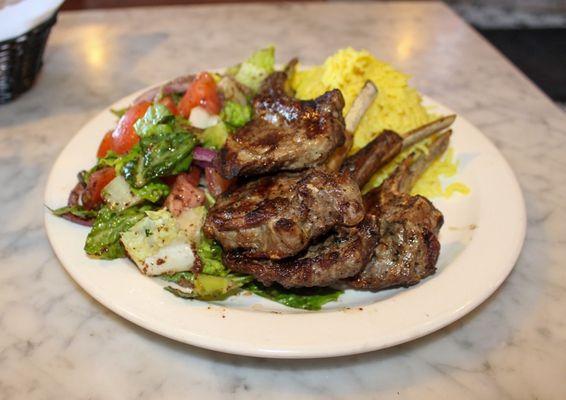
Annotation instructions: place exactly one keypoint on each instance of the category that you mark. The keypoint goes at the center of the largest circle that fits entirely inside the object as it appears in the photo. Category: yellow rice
(398, 107)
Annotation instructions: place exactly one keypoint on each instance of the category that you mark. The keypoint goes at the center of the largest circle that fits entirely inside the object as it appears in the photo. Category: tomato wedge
(192, 176)
(92, 196)
(105, 145)
(124, 137)
(168, 102)
(201, 92)
(216, 183)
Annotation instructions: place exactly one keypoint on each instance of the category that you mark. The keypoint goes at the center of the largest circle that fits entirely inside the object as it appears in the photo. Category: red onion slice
(203, 154)
(177, 85)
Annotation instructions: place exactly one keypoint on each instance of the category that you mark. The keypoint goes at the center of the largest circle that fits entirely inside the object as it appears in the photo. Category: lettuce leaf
(214, 282)
(255, 69)
(215, 136)
(104, 238)
(236, 114)
(152, 192)
(76, 210)
(206, 287)
(210, 254)
(157, 118)
(307, 299)
(163, 153)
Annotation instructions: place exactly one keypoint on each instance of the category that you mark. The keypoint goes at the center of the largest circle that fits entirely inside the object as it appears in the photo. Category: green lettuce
(235, 114)
(119, 112)
(76, 210)
(104, 238)
(112, 159)
(161, 154)
(152, 192)
(306, 299)
(215, 136)
(255, 69)
(206, 287)
(210, 254)
(214, 282)
(184, 278)
(157, 118)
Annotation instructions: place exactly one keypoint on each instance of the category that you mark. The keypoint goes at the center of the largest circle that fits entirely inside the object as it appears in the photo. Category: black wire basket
(21, 59)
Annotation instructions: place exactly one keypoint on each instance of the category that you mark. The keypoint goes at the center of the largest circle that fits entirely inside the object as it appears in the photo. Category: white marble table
(57, 342)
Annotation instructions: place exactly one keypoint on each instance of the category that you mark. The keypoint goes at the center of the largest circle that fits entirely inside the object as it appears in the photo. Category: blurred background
(531, 33)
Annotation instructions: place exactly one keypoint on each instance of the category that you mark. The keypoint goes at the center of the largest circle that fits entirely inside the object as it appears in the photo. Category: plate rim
(229, 346)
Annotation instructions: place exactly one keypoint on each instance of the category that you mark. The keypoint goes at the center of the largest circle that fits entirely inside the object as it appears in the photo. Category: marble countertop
(57, 342)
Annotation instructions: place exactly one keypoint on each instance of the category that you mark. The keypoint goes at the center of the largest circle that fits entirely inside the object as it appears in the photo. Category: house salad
(147, 196)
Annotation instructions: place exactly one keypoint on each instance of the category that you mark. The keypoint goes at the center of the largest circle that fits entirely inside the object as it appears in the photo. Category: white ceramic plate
(481, 239)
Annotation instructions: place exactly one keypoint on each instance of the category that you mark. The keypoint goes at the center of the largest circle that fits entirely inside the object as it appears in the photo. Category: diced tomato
(92, 196)
(193, 177)
(183, 195)
(105, 145)
(215, 182)
(201, 92)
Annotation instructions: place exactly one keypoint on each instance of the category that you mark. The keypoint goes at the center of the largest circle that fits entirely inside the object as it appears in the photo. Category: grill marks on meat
(408, 246)
(395, 245)
(285, 133)
(339, 256)
(277, 216)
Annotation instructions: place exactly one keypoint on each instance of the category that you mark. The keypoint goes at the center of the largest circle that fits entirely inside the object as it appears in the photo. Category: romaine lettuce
(235, 114)
(210, 254)
(255, 69)
(306, 299)
(104, 238)
(161, 154)
(215, 136)
(206, 287)
(156, 118)
(152, 192)
(76, 210)
(119, 195)
(157, 245)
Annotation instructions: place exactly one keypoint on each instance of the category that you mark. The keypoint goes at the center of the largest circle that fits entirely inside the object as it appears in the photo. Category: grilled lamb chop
(408, 245)
(285, 133)
(341, 255)
(277, 216)
(395, 244)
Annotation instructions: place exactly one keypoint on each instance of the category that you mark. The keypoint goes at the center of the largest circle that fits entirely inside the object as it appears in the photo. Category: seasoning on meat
(285, 133)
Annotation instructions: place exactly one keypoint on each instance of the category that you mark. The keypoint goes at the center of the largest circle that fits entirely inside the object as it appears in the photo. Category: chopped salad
(147, 196)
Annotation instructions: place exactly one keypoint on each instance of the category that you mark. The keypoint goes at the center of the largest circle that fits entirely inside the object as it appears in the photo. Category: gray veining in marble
(57, 342)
